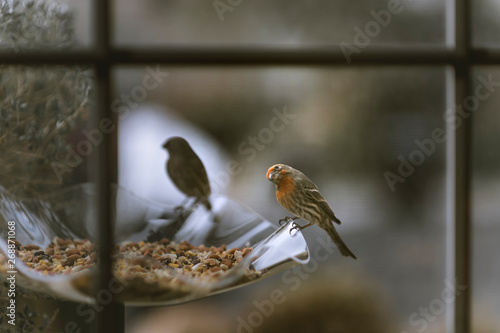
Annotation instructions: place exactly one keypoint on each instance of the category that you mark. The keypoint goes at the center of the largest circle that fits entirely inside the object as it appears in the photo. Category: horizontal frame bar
(258, 55)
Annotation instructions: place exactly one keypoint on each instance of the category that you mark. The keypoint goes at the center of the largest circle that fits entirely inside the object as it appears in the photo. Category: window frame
(103, 57)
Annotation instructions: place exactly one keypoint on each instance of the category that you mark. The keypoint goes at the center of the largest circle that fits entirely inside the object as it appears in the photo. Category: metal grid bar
(459, 166)
(112, 317)
(257, 55)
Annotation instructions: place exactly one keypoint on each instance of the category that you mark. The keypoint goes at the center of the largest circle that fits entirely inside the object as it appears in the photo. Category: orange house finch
(300, 196)
(186, 170)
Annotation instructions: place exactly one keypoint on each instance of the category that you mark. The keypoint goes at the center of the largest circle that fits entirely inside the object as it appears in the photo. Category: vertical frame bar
(111, 318)
(459, 179)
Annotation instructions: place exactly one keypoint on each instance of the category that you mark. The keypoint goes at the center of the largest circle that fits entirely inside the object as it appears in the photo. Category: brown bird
(301, 197)
(187, 172)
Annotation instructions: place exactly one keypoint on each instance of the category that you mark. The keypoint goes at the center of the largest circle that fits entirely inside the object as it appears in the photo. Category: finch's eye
(276, 168)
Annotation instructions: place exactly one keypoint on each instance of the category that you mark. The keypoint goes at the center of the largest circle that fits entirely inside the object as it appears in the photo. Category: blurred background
(360, 133)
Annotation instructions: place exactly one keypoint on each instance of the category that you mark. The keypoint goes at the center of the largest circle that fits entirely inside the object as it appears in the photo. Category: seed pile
(62, 256)
(168, 270)
(142, 268)
(183, 258)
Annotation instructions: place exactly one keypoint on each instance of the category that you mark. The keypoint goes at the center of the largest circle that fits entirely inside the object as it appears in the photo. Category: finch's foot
(179, 209)
(284, 220)
(296, 227)
(287, 219)
(183, 211)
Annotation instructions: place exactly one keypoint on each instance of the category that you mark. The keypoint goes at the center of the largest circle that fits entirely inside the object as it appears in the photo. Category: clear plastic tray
(70, 214)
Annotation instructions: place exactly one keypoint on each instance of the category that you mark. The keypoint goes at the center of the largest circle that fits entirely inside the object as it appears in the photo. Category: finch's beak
(271, 174)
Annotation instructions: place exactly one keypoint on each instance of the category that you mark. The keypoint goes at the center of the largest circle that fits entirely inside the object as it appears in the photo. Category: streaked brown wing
(313, 194)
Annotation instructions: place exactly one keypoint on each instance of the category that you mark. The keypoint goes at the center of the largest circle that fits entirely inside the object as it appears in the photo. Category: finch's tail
(207, 204)
(344, 250)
